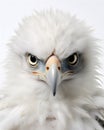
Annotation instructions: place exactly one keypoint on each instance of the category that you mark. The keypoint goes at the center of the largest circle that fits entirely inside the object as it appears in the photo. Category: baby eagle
(52, 75)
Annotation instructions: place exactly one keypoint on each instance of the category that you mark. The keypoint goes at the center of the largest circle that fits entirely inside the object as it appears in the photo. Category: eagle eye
(73, 59)
(32, 60)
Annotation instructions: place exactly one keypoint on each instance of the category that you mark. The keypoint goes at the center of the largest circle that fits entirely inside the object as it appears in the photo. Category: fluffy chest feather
(46, 115)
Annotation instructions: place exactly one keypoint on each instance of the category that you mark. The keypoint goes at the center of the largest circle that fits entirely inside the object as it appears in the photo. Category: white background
(12, 11)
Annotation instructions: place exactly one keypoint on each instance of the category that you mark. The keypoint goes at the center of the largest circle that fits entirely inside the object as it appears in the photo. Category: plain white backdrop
(12, 12)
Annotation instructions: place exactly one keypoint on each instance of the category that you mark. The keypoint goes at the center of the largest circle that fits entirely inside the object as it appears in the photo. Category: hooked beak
(53, 73)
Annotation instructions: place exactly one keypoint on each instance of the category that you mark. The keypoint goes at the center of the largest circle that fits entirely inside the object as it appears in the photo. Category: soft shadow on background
(12, 12)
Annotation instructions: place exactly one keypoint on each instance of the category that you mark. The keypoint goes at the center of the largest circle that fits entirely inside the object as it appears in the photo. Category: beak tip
(54, 93)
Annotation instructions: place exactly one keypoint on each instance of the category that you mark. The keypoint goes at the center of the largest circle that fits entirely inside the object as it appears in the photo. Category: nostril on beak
(47, 68)
(59, 68)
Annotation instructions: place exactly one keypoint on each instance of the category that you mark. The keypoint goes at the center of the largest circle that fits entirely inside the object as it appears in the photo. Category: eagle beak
(53, 73)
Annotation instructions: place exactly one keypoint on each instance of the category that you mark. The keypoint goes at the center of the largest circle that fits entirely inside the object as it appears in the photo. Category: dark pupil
(33, 58)
(71, 58)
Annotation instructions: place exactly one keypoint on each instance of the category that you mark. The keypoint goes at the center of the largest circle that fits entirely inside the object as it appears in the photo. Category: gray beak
(53, 78)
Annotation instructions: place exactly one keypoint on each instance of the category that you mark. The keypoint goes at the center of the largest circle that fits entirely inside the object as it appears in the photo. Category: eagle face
(54, 52)
(51, 72)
